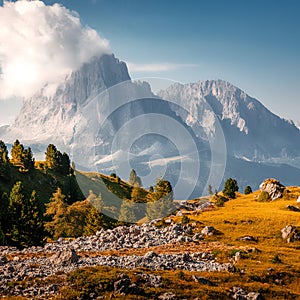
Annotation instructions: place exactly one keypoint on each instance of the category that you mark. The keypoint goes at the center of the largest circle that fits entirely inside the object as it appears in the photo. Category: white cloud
(40, 43)
(157, 67)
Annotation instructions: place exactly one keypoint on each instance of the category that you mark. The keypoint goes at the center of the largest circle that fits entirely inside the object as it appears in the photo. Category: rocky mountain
(251, 131)
(191, 134)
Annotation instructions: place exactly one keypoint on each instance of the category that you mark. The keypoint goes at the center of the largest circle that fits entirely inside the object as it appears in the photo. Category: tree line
(27, 220)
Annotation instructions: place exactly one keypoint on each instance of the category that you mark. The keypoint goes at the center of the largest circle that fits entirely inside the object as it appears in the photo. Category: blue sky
(253, 44)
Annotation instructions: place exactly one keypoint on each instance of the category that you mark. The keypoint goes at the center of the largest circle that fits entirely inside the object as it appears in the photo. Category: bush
(185, 220)
(220, 200)
(264, 197)
(248, 190)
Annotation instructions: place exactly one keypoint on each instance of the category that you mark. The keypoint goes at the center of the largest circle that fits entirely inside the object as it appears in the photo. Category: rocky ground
(65, 255)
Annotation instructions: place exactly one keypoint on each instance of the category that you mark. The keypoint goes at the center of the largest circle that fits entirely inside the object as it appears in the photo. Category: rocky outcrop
(273, 187)
(290, 233)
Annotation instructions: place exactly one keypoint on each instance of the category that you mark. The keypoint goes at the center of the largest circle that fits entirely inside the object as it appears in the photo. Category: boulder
(247, 238)
(208, 230)
(64, 258)
(290, 233)
(167, 296)
(240, 294)
(122, 286)
(298, 200)
(293, 208)
(202, 280)
(273, 187)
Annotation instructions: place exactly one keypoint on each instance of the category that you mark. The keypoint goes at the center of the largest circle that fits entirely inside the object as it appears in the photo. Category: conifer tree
(94, 221)
(127, 214)
(17, 151)
(21, 157)
(138, 196)
(16, 214)
(33, 221)
(160, 202)
(4, 161)
(65, 167)
(56, 209)
(25, 218)
(134, 179)
(230, 188)
(52, 157)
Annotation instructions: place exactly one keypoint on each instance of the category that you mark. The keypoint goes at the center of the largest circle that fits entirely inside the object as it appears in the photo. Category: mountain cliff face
(251, 131)
(53, 112)
(108, 123)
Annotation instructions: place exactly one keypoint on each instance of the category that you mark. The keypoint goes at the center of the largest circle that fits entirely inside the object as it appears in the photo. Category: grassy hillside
(269, 265)
(45, 182)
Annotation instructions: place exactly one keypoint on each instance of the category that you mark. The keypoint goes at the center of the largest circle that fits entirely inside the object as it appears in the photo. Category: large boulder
(64, 258)
(273, 187)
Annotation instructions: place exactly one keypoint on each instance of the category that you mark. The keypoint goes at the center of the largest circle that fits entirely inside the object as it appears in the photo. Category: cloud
(157, 67)
(40, 43)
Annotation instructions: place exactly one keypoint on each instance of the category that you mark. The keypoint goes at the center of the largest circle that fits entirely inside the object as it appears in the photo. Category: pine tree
(57, 161)
(56, 209)
(94, 221)
(17, 151)
(16, 204)
(33, 221)
(27, 160)
(65, 167)
(127, 214)
(4, 213)
(138, 196)
(230, 188)
(21, 157)
(4, 161)
(25, 218)
(209, 189)
(52, 157)
(134, 179)
(160, 202)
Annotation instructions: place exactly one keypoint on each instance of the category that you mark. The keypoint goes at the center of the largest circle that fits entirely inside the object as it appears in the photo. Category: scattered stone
(167, 296)
(240, 294)
(202, 280)
(237, 256)
(293, 208)
(273, 187)
(150, 279)
(208, 230)
(3, 260)
(247, 238)
(122, 285)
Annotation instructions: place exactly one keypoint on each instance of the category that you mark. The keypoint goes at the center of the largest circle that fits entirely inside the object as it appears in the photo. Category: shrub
(220, 200)
(276, 259)
(248, 190)
(185, 220)
(264, 197)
